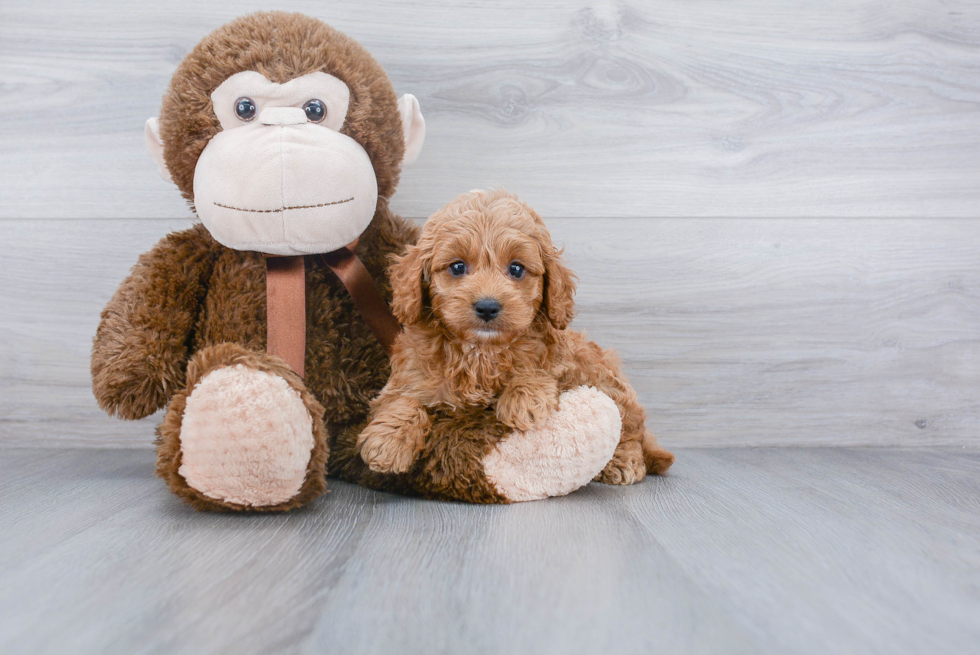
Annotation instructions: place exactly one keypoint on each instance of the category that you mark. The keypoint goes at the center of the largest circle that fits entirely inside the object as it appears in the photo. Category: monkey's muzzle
(284, 186)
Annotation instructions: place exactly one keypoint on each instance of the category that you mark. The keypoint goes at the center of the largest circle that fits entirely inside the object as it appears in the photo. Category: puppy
(485, 300)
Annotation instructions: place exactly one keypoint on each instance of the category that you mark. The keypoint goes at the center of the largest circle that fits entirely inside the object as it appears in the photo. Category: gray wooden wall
(772, 205)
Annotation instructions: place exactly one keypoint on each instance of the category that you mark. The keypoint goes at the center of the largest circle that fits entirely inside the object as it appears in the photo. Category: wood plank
(736, 551)
(668, 108)
(827, 550)
(738, 332)
(56, 277)
(805, 331)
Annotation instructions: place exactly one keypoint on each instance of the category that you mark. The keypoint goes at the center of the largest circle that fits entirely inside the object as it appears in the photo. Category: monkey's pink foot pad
(246, 437)
(562, 455)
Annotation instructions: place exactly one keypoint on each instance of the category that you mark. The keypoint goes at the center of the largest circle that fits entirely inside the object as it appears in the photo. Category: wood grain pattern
(738, 331)
(737, 551)
(668, 108)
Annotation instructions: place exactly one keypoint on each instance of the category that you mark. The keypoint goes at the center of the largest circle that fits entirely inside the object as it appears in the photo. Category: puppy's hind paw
(624, 468)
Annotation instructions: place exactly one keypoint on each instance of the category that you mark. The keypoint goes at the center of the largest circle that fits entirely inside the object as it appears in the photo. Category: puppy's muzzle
(486, 309)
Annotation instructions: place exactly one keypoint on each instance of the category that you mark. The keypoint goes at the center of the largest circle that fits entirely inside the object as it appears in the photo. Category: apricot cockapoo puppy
(486, 300)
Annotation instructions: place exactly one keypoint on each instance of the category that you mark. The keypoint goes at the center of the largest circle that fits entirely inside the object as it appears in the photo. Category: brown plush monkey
(288, 138)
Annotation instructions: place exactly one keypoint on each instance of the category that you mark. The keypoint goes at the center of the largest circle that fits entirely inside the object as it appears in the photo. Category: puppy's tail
(656, 458)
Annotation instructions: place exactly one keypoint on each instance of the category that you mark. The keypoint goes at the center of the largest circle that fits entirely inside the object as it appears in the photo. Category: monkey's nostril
(487, 309)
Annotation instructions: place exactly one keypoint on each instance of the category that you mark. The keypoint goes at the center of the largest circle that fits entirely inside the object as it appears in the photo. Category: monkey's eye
(516, 270)
(315, 110)
(245, 109)
(457, 268)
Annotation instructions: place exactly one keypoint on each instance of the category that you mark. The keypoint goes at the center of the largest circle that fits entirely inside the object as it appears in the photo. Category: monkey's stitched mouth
(282, 209)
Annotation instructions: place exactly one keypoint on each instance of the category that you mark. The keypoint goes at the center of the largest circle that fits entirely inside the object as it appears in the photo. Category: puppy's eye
(516, 270)
(457, 268)
(245, 109)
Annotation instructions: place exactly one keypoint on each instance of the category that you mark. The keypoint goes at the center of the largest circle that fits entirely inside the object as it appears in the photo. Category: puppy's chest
(476, 378)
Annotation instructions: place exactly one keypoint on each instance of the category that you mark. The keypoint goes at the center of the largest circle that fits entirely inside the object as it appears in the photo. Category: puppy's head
(485, 269)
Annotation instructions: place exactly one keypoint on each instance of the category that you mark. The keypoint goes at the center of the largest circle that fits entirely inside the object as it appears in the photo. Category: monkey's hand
(141, 347)
(527, 404)
(395, 436)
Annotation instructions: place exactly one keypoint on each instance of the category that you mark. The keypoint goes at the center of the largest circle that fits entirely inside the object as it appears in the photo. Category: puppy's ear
(406, 275)
(559, 289)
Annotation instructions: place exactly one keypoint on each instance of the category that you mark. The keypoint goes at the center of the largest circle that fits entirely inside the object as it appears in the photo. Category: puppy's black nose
(487, 309)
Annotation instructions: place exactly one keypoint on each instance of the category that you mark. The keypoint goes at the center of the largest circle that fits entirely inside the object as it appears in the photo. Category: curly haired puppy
(485, 300)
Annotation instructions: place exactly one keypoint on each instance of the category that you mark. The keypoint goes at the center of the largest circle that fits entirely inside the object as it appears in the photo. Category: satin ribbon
(286, 303)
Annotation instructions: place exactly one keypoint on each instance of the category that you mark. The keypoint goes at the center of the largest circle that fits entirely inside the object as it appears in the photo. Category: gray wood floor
(738, 551)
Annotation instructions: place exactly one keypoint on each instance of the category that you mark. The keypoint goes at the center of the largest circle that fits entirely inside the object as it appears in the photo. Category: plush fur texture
(460, 458)
(281, 46)
(191, 298)
(518, 362)
(246, 437)
(237, 471)
(561, 455)
(449, 466)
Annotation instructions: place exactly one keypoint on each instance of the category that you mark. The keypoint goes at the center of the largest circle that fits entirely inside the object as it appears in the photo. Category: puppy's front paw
(624, 468)
(390, 452)
(523, 408)
(395, 436)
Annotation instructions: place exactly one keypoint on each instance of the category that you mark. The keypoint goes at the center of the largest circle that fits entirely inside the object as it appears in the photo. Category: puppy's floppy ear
(406, 275)
(559, 289)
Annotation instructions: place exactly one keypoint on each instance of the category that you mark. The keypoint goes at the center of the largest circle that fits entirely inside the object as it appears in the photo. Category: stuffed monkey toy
(261, 329)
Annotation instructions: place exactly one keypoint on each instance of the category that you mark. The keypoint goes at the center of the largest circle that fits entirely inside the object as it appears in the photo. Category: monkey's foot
(245, 434)
(565, 453)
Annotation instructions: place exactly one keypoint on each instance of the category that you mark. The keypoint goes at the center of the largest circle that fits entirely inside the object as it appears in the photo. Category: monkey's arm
(141, 346)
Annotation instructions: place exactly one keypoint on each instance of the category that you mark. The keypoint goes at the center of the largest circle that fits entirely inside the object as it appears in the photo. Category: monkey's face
(284, 133)
(280, 177)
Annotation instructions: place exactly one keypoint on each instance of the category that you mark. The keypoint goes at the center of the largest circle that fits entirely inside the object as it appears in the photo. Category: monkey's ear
(155, 145)
(413, 125)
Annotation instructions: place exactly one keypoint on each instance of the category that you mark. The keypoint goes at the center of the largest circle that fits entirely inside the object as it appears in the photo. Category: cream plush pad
(246, 437)
(562, 455)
